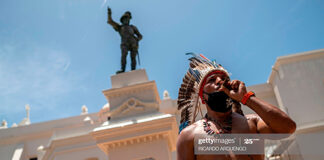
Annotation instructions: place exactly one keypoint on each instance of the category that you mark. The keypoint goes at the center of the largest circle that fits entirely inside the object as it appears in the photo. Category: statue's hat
(126, 14)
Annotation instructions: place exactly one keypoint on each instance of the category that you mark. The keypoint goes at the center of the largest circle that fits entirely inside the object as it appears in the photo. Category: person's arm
(137, 33)
(110, 21)
(272, 119)
(185, 144)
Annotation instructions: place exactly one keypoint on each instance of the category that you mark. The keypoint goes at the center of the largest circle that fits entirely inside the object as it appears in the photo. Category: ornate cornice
(315, 54)
(131, 90)
(132, 106)
(108, 138)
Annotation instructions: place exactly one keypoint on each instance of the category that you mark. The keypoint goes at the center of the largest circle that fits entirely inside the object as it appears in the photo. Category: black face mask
(219, 101)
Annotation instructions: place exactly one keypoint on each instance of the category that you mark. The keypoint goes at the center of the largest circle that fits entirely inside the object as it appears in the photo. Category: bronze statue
(130, 36)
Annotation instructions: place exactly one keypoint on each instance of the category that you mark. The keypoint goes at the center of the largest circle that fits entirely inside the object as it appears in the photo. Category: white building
(137, 125)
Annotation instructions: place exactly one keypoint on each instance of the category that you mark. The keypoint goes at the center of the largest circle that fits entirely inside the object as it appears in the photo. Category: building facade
(136, 124)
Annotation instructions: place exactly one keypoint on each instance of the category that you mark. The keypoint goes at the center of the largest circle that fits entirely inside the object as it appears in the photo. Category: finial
(4, 124)
(27, 107)
(84, 110)
(26, 120)
(166, 95)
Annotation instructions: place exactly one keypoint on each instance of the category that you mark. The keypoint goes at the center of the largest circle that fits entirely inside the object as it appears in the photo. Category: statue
(130, 36)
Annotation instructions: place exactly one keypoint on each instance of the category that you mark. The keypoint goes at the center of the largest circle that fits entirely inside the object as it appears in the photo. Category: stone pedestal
(133, 127)
(129, 78)
(132, 94)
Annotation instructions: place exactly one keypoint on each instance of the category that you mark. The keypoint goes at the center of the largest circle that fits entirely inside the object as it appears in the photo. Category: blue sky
(59, 55)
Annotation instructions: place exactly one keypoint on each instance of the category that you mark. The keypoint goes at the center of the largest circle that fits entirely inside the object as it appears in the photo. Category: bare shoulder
(185, 142)
(188, 133)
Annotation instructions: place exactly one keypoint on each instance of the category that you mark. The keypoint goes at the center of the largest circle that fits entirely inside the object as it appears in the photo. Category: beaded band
(247, 96)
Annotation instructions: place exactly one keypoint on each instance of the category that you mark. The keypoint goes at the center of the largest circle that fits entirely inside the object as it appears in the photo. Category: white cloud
(35, 74)
(103, 3)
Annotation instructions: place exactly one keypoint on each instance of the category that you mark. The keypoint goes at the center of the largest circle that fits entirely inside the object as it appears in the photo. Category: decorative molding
(130, 90)
(133, 89)
(262, 90)
(140, 132)
(294, 58)
(111, 145)
(30, 136)
(310, 127)
(132, 106)
(68, 145)
(137, 140)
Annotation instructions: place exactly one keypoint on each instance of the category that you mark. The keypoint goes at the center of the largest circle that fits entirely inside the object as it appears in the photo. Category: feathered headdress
(192, 87)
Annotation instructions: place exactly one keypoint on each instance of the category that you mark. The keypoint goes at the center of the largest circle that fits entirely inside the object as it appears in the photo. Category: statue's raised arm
(110, 21)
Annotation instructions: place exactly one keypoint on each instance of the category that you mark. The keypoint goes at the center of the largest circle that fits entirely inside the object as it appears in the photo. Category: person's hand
(109, 11)
(236, 90)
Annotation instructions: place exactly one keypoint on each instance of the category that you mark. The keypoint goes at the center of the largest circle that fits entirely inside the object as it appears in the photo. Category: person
(130, 36)
(208, 83)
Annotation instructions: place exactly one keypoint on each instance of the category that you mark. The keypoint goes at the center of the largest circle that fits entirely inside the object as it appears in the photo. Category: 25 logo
(248, 141)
